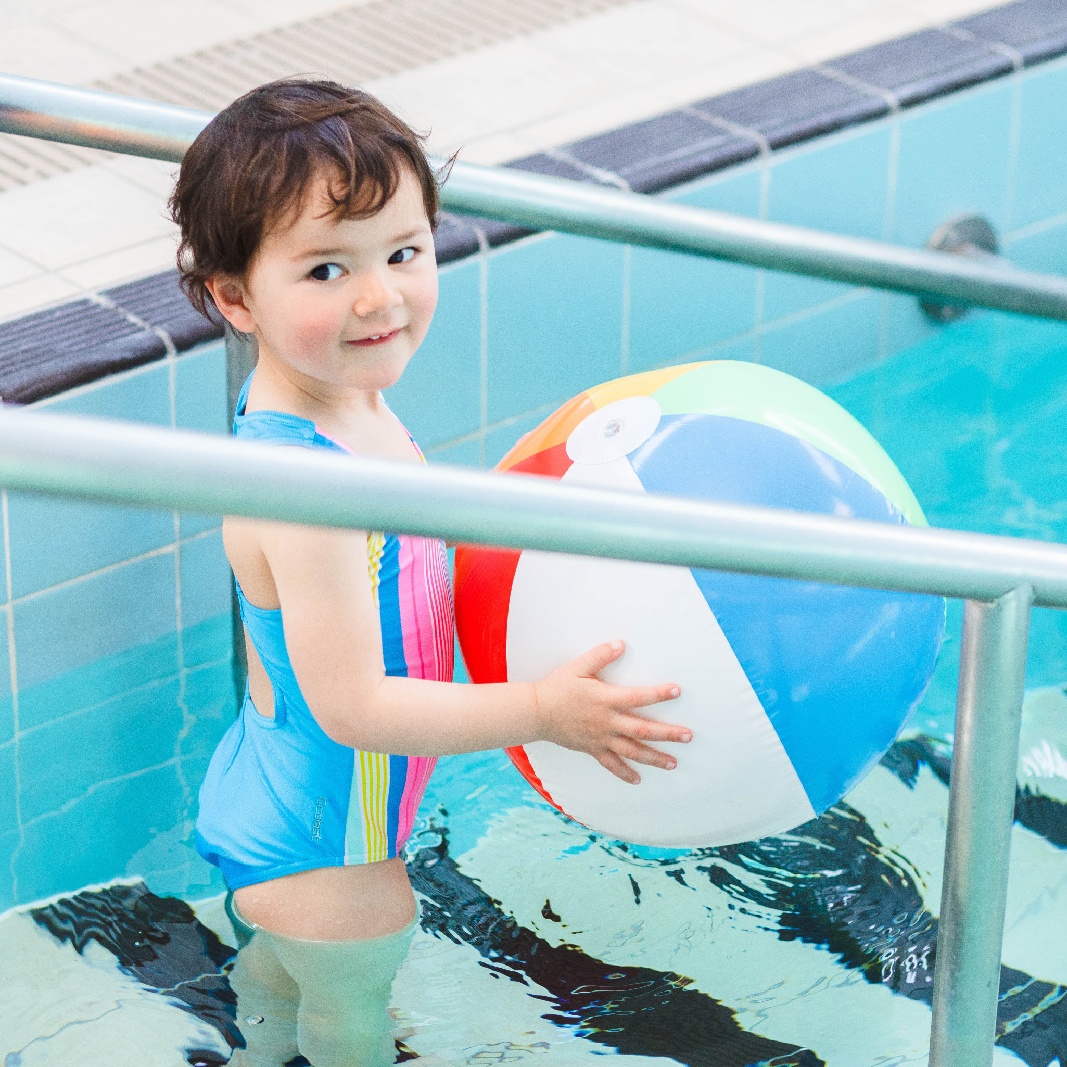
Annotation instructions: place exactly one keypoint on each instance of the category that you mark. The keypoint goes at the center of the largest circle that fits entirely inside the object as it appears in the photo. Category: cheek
(309, 328)
(424, 301)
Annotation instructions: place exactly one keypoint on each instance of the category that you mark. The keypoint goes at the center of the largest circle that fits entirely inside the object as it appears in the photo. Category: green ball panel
(769, 397)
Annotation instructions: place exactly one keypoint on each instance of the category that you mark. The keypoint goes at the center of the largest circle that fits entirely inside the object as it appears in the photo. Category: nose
(376, 293)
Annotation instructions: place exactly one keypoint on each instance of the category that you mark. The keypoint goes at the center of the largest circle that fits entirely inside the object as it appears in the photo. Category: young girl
(306, 212)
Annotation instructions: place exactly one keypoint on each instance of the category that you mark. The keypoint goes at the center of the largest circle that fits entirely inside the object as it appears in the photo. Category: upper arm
(331, 622)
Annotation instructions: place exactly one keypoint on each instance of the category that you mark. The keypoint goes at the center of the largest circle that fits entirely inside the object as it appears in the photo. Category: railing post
(980, 815)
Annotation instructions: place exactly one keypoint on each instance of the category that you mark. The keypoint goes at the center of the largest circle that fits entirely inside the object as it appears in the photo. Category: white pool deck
(103, 220)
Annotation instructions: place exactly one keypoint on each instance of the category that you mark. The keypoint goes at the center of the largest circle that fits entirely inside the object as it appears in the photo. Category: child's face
(344, 303)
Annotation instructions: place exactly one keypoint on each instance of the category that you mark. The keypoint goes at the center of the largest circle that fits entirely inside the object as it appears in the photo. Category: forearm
(415, 717)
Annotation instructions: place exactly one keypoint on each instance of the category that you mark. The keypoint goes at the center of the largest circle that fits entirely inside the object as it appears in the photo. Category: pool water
(542, 941)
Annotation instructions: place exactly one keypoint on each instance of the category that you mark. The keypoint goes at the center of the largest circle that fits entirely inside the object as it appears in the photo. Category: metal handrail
(118, 123)
(1001, 577)
(126, 463)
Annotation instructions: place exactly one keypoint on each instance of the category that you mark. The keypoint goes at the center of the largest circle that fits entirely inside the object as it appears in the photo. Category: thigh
(345, 988)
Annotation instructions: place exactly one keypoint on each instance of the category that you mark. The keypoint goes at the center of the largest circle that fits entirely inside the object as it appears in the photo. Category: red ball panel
(483, 595)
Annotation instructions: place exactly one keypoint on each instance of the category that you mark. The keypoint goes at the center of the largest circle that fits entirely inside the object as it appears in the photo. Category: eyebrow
(318, 253)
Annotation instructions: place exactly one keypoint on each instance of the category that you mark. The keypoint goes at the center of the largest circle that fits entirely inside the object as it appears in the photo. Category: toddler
(306, 212)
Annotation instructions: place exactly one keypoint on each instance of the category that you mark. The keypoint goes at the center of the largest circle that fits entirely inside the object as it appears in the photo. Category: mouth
(375, 339)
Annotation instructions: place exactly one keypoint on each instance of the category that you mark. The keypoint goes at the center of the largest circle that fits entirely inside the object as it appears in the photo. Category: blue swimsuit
(280, 796)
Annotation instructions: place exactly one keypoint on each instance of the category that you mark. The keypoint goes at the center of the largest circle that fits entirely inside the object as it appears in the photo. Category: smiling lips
(376, 339)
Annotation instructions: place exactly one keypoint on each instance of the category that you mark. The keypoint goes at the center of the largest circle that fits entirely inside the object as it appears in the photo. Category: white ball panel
(734, 781)
(615, 430)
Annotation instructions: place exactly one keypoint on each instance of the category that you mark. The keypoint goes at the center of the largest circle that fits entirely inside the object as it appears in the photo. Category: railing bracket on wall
(964, 235)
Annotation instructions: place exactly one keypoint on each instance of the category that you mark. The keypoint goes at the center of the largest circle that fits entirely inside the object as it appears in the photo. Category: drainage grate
(353, 45)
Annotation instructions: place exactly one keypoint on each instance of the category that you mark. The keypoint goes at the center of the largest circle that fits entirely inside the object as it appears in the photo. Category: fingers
(643, 696)
(596, 659)
(618, 767)
(615, 759)
(641, 729)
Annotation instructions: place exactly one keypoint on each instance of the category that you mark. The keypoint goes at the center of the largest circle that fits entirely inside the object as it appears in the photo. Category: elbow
(350, 723)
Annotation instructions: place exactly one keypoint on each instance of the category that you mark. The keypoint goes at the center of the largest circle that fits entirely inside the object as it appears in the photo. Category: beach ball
(793, 689)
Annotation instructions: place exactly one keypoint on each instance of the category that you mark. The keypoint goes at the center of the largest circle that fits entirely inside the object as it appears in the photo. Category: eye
(403, 255)
(326, 272)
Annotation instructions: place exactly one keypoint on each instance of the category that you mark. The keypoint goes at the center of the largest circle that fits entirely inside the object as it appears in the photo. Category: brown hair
(255, 161)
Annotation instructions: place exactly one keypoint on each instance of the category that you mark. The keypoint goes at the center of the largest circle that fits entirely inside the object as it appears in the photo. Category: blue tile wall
(8, 845)
(500, 439)
(206, 601)
(839, 187)
(44, 554)
(1040, 187)
(200, 404)
(555, 321)
(8, 795)
(466, 453)
(954, 158)
(138, 396)
(1045, 250)
(85, 642)
(206, 579)
(210, 699)
(62, 760)
(680, 303)
(7, 703)
(440, 395)
(94, 838)
(829, 344)
(42, 551)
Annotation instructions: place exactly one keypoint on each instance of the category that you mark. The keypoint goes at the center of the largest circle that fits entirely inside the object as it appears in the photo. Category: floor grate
(354, 45)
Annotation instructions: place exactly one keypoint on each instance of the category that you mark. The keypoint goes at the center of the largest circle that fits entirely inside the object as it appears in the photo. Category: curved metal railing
(163, 131)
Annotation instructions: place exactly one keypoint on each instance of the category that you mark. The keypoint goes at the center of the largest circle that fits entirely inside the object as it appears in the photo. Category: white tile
(493, 90)
(622, 109)
(775, 21)
(500, 148)
(15, 268)
(155, 176)
(34, 49)
(34, 294)
(263, 15)
(643, 43)
(143, 33)
(855, 35)
(125, 265)
(934, 11)
(73, 217)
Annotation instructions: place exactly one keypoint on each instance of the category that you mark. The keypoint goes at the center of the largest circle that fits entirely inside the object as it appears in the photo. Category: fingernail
(616, 646)
(671, 764)
(675, 691)
(687, 737)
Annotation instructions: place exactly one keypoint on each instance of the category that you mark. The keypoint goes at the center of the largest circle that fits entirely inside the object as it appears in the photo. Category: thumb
(591, 663)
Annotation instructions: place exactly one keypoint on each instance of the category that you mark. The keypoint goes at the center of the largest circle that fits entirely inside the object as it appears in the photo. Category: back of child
(306, 212)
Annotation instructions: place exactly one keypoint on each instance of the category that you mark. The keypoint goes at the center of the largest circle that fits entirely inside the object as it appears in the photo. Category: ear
(229, 296)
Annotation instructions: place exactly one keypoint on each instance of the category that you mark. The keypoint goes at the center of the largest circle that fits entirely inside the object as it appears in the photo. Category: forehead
(317, 215)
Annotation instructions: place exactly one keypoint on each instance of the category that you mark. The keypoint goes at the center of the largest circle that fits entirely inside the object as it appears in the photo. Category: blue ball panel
(836, 669)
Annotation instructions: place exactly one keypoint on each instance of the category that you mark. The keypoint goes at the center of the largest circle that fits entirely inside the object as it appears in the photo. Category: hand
(583, 713)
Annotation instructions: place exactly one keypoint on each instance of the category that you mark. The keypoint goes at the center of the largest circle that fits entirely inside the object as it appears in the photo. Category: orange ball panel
(553, 431)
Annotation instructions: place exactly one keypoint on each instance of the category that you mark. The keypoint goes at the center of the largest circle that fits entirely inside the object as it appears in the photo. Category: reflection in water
(831, 884)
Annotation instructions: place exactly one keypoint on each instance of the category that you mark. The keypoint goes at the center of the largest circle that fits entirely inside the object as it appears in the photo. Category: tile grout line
(16, 729)
(67, 805)
(889, 223)
(1014, 144)
(170, 546)
(624, 339)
